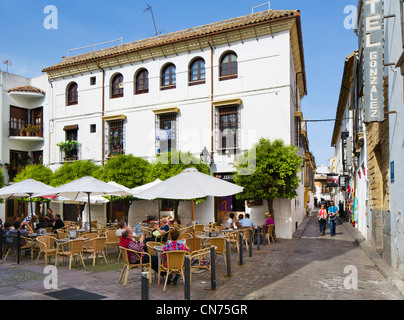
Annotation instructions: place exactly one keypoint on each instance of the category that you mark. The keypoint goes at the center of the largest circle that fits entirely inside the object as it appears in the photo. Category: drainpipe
(51, 122)
(102, 112)
(211, 101)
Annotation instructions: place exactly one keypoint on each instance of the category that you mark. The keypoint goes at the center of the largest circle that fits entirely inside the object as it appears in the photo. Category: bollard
(250, 243)
(1, 244)
(228, 258)
(187, 284)
(263, 235)
(212, 268)
(18, 247)
(258, 238)
(240, 245)
(145, 285)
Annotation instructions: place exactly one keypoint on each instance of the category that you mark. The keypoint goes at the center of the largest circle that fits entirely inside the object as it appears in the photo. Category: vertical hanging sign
(373, 60)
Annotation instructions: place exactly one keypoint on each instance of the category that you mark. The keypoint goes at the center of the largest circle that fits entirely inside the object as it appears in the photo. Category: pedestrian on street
(322, 219)
(333, 212)
(341, 208)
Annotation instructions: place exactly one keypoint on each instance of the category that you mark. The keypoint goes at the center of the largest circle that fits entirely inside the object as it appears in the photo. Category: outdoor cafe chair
(184, 236)
(94, 246)
(75, 250)
(127, 265)
(270, 232)
(200, 260)
(10, 243)
(112, 240)
(189, 243)
(61, 234)
(220, 244)
(199, 227)
(175, 264)
(46, 246)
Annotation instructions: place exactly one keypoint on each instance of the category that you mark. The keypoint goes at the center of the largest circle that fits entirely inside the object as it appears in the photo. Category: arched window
(72, 94)
(228, 66)
(197, 72)
(168, 77)
(142, 82)
(117, 86)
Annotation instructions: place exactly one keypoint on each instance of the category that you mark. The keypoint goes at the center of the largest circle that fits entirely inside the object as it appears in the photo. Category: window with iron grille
(115, 138)
(166, 126)
(227, 127)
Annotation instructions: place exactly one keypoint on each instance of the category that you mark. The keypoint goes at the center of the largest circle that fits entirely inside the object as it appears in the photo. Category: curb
(385, 269)
(300, 230)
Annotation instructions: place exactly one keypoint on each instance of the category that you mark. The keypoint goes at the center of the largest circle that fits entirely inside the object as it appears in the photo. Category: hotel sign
(373, 60)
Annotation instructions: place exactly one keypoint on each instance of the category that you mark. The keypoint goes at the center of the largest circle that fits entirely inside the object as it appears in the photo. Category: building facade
(212, 90)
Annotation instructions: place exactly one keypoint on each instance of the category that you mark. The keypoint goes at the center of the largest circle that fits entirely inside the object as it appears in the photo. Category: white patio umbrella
(188, 185)
(24, 189)
(146, 186)
(83, 187)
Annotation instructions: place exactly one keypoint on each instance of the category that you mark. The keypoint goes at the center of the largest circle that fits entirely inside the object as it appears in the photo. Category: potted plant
(36, 129)
(29, 129)
(22, 131)
(69, 148)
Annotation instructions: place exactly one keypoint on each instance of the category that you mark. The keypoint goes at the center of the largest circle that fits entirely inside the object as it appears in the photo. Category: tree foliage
(74, 170)
(274, 175)
(126, 170)
(37, 172)
(169, 164)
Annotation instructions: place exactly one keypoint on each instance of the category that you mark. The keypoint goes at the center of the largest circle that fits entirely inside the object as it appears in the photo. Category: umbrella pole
(193, 224)
(89, 210)
(158, 202)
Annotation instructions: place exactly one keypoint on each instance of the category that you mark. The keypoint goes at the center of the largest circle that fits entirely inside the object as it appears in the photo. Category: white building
(218, 87)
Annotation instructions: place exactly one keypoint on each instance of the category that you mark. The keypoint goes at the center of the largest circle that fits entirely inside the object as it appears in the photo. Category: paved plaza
(308, 267)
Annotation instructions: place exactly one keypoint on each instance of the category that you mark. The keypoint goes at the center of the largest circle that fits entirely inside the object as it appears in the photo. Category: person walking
(332, 212)
(322, 219)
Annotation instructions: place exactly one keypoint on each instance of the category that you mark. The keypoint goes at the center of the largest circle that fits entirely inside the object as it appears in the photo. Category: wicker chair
(112, 240)
(270, 232)
(94, 246)
(175, 264)
(62, 234)
(75, 250)
(184, 236)
(199, 227)
(189, 243)
(200, 260)
(220, 244)
(127, 265)
(46, 246)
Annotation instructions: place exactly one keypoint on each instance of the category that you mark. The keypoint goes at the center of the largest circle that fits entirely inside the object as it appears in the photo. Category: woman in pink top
(322, 219)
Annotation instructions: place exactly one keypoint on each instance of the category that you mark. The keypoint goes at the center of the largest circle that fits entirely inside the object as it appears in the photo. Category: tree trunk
(176, 205)
(270, 203)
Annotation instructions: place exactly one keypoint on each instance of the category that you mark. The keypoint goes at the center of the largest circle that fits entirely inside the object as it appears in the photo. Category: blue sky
(31, 46)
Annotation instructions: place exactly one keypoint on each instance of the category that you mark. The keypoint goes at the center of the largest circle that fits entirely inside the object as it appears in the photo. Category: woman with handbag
(322, 219)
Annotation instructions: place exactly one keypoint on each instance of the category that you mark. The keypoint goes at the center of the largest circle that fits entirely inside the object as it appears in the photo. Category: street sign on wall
(373, 60)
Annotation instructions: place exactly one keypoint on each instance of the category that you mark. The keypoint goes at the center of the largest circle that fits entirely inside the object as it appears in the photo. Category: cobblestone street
(308, 267)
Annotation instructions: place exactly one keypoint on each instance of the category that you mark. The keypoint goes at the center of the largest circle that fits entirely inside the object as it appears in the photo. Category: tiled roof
(26, 89)
(196, 32)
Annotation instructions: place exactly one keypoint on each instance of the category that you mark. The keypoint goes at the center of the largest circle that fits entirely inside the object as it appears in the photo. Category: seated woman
(158, 232)
(127, 242)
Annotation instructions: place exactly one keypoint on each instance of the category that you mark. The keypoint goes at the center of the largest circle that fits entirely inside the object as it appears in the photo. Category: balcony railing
(25, 128)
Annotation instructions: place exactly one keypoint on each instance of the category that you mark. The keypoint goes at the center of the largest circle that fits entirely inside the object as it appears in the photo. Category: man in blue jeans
(332, 212)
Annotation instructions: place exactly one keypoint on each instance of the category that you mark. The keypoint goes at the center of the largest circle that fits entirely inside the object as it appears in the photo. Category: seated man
(173, 246)
(58, 223)
(127, 242)
(246, 222)
(122, 227)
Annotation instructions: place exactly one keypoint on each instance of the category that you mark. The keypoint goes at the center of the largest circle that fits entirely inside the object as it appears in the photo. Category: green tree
(37, 172)
(74, 170)
(268, 171)
(126, 170)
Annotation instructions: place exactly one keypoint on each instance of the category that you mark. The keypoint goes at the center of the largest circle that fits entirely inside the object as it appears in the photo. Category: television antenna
(7, 62)
(149, 8)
